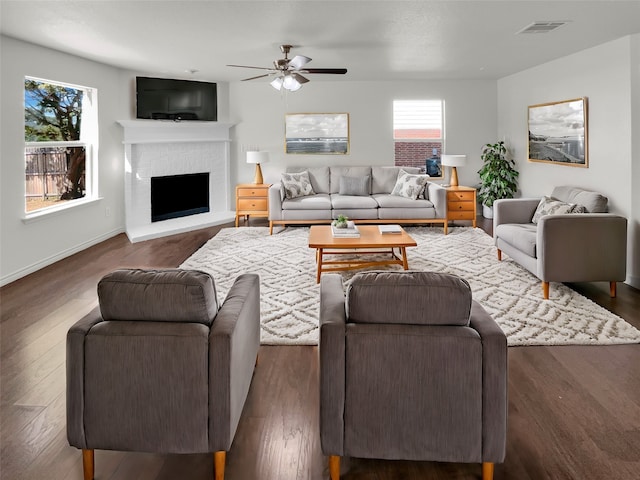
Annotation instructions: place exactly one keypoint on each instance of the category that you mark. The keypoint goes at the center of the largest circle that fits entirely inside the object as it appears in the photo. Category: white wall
(603, 74)
(26, 247)
(259, 113)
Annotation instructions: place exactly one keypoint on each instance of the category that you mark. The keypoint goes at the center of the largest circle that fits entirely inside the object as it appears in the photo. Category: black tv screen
(168, 99)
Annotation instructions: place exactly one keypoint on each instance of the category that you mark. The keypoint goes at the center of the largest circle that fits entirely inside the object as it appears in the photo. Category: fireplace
(175, 196)
(155, 151)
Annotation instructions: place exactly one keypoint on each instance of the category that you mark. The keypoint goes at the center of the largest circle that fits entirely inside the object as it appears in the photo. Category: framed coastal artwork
(317, 133)
(558, 133)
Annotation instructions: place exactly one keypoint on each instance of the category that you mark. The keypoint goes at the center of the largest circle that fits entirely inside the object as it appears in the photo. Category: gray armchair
(411, 368)
(160, 367)
(569, 247)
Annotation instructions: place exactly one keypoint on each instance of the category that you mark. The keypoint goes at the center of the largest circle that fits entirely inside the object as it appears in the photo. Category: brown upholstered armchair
(160, 367)
(411, 368)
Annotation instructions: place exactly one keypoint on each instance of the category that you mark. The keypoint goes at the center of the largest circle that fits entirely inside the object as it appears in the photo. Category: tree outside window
(418, 134)
(57, 143)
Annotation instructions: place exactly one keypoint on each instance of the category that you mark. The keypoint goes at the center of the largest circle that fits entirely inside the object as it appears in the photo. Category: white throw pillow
(551, 206)
(410, 185)
(296, 185)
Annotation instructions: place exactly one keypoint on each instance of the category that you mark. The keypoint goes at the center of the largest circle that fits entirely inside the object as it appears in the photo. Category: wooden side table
(461, 205)
(252, 200)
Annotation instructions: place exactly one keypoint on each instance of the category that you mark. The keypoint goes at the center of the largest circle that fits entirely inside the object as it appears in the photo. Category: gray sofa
(411, 368)
(377, 206)
(160, 367)
(563, 247)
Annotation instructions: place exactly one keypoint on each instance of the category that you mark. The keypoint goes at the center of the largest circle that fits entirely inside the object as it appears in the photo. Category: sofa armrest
(438, 196)
(275, 202)
(75, 377)
(234, 340)
(582, 247)
(514, 210)
(494, 384)
(331, 348)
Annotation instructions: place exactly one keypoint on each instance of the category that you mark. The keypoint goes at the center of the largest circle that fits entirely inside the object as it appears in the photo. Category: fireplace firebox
(177, 196)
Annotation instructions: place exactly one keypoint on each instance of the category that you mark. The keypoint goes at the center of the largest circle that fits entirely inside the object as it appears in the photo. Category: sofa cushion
(521, 235)
(409, 185)
(552, 206)
(355, 185)
(593, 202)
(394, 201)
(320, 201)
(319, 177)
(297, 185)
(408, 297)
(342, 202)
(170, 295)
(337, 172)
(383, 179)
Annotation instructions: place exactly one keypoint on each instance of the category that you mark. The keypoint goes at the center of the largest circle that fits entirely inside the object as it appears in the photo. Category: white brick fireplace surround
(154, 148)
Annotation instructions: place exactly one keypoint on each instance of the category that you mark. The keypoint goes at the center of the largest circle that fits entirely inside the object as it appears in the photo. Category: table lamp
(257, 158)
(454, 161)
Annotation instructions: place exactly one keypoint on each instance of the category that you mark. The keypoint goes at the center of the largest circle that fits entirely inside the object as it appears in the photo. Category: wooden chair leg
(87, 464)
(219, 460)
(545, 290)
(334, 467)
(487, 471)
(612, 289)
(270, 228)
(499, 255)
(257, 358)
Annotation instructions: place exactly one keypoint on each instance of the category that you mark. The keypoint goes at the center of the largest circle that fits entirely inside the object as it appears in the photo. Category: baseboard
(633, 280)
(23, 272)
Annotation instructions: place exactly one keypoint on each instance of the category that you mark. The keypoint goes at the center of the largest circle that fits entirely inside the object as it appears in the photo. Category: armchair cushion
(593, 202)
(523, 236)
(171, 295)
(416, 298)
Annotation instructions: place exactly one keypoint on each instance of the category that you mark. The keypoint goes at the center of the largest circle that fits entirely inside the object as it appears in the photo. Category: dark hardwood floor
(574, 412)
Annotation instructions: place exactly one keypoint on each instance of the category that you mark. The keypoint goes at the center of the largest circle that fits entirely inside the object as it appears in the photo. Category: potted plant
(341, 221)
(498, 177)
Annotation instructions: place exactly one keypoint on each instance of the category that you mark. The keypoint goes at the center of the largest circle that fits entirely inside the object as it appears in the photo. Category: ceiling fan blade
(259, 76)
(299, 78)
(299, 61)
(248, 66)
(338, 71)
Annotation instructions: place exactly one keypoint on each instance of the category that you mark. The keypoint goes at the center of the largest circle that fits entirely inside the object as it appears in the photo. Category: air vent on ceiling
(542, 27)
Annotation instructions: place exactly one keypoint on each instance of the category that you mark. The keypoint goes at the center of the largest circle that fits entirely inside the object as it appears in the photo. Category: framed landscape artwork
(558, 133)
(317, 133)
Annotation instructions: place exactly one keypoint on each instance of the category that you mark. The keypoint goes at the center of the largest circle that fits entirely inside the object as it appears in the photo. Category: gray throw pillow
(358, 186)
(551, 206)
(296, 185)
(410, 185)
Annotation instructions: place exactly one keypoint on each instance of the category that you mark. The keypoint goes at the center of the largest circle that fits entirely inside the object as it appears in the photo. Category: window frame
(425, 140)
(88, 140)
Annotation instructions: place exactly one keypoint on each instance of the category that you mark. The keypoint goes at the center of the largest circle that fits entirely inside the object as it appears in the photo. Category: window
(60, 134)
(418, 134)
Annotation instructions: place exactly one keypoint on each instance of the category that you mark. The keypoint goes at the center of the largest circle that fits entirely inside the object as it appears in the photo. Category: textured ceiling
(375, 40)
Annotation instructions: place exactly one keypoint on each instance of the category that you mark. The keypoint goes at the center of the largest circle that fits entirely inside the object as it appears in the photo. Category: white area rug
(512, 295)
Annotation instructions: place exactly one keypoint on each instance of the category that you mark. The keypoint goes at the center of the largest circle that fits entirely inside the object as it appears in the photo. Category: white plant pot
(487, 212)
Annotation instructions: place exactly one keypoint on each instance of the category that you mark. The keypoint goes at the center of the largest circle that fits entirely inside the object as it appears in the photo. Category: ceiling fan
(289, 71)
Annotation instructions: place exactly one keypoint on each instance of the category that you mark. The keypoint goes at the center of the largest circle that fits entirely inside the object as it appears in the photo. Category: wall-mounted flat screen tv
(168, 99)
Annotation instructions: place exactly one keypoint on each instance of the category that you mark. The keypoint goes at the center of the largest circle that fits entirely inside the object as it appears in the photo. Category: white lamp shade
(257, 157)
(454, 160)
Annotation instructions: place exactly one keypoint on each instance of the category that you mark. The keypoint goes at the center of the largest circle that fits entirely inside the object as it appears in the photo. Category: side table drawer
(252, 192)
(253, 204)
(461, 196)
(460, 215)
(455, 206)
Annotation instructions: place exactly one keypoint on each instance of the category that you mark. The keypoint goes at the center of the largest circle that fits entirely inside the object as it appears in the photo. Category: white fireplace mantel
(159, 147)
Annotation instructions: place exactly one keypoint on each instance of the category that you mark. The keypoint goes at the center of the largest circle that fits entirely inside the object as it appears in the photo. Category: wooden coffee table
(371, 242)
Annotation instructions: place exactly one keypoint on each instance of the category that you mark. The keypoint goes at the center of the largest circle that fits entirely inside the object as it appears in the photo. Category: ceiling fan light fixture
(277, 83)
(290, 83)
